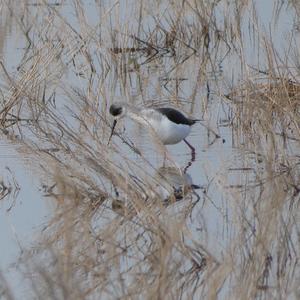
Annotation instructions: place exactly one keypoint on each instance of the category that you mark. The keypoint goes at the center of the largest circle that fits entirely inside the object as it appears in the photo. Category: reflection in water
(173, 184)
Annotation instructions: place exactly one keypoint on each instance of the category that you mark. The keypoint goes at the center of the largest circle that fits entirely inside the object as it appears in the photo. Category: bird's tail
(207, 127)
(193, 121)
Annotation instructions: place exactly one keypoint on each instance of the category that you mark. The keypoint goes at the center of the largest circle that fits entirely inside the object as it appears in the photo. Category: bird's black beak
(112, 130)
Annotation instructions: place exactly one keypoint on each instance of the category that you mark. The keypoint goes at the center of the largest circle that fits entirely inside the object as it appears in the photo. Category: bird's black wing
(175, 116)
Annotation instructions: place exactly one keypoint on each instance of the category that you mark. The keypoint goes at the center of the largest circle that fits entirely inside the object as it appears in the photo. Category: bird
(170, 125)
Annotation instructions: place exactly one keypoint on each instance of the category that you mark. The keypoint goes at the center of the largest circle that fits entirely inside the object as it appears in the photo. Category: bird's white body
(167, 131)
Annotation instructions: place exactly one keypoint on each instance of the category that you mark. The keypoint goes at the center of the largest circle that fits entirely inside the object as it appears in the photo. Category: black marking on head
(115, 110)
(175, 116)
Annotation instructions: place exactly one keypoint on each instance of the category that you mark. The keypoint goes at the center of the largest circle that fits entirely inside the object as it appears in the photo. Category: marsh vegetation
(125, 220)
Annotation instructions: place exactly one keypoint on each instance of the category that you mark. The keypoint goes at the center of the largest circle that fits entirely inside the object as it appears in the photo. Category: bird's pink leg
(192, 149)
(193, 155)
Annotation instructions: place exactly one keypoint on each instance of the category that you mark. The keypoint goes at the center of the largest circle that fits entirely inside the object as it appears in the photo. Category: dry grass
(111, 235)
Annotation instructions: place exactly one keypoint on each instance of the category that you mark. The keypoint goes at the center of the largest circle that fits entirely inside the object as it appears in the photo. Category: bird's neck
(135, 116)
